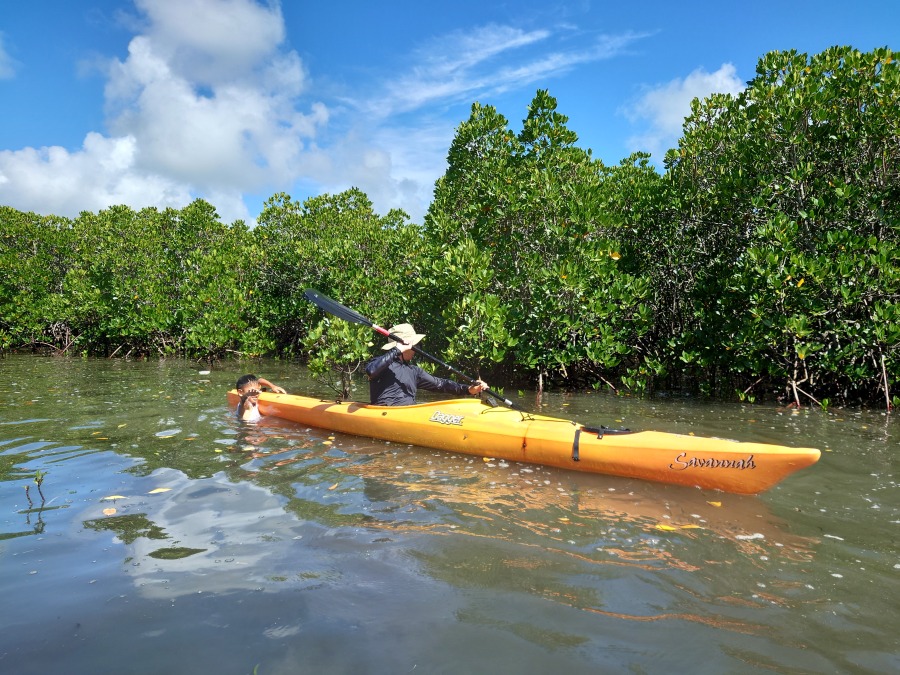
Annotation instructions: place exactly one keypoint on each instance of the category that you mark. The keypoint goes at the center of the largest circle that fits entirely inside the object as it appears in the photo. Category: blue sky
(157, 102)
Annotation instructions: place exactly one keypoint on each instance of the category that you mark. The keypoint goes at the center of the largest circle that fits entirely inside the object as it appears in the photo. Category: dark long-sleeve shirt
(393, 381)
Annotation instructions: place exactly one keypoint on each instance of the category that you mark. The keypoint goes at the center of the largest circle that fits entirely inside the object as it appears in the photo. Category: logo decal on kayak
(682, 462)
(444, 418)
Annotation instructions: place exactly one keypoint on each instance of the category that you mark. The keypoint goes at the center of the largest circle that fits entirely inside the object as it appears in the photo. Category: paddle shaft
(342, 312)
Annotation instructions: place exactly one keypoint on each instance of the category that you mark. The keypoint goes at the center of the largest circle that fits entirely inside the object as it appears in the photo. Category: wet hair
(245, 379)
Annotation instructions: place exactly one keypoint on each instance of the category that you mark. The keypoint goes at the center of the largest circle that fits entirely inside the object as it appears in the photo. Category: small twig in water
(39, 479)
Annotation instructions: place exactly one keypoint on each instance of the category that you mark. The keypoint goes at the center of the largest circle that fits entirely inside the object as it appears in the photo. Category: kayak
(473, 427)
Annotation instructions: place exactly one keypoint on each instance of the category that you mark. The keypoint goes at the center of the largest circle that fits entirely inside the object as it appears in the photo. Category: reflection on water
(174, 537)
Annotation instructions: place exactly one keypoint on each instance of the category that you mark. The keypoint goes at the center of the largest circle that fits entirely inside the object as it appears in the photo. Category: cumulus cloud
(209, 102)
(205, 104)
(395, 166)
(662, 109)
(213, 42)
(99, 174)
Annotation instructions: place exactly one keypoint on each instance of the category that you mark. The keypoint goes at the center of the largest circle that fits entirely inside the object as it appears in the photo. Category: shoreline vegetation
(762, 263)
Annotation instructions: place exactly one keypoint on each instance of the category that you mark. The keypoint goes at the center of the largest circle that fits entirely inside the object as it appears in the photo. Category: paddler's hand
(478, 387)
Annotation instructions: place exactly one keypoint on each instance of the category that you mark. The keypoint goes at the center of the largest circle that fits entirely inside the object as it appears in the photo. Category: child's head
(247, 383)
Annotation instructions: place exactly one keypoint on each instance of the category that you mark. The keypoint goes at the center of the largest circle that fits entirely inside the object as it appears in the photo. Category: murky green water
(172, 539)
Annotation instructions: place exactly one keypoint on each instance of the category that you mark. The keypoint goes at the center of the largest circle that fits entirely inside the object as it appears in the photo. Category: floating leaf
(690, 527)
(667, 528)
(112, 497)
(156, 491)
(334, 486)
(326, 443)
(716, 504)
(747, 537)
(124, 424)
(109, 512)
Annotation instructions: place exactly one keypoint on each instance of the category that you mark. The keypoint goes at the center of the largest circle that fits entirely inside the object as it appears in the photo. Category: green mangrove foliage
(125, 282)
(788, 218)
(554, 302)
(764, 259)
(338, 245)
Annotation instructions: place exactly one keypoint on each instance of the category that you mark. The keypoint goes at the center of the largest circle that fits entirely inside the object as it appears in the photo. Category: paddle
(340, 311)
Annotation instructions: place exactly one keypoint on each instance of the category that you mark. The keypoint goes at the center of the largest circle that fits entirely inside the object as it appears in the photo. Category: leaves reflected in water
(175, 552)
(128, 527)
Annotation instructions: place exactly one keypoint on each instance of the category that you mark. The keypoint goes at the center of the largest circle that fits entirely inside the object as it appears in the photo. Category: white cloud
(7, 64)
(464, 67)
(457, 68)
(208, 102)
(663, 109)
(100, 174)
(204, 104)
(395, 166)
(238, 135)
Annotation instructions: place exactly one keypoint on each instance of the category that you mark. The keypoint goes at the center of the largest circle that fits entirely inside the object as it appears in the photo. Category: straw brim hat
(406, 332)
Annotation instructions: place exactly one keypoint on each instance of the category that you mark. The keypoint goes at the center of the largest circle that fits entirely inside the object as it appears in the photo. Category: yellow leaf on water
(327, 443)
(690, 527)
(124, 424)
(717, 504)
(334, 486)
(102, 438)
(108, 512)
(667, 528)
(156, 491)
(112, 497)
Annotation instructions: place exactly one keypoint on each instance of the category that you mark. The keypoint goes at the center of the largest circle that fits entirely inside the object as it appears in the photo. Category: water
(173, 539)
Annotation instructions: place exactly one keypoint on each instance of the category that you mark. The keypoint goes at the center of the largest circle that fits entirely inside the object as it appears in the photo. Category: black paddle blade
(335, 308)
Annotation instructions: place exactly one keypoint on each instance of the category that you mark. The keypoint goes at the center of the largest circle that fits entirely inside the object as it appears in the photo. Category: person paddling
(394, 379)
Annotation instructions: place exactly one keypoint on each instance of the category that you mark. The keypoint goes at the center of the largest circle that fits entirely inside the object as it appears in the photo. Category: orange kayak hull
(468, 426)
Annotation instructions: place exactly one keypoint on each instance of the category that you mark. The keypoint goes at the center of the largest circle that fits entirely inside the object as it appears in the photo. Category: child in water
(248, 387)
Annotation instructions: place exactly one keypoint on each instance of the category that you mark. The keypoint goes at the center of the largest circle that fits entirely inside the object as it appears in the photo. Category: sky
(159, 102)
